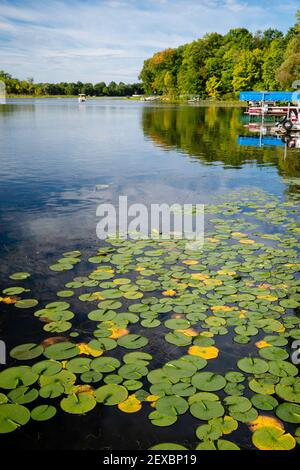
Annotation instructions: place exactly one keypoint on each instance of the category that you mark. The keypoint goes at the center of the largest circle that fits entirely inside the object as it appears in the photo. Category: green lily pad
(208, 381)
(111, 394)
(12, 417)
(288, 412)
(26, 303)
(23, 395)
(105, 364)
(43, 412)
(159, 419)
(273, 438)
(171, 405)
(79, 403)
(14, 377)
(19, 276)
(26, 351)
(168, 446)
(253, 365)
(264, 402)
(132, 341)
(61, 351)
(47, 367)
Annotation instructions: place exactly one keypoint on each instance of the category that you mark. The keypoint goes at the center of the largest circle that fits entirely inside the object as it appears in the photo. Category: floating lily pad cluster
(239, 293)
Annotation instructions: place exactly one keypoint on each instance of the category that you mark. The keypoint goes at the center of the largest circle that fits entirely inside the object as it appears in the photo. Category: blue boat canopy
(285, 96)
(265, 141)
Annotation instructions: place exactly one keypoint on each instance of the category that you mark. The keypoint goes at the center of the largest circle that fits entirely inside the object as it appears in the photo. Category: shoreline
(164, 100)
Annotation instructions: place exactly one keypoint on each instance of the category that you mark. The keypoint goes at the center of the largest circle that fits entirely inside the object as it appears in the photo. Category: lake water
(59, 160)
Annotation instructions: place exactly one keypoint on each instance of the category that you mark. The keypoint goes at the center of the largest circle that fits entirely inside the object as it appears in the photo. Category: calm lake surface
(59, 160)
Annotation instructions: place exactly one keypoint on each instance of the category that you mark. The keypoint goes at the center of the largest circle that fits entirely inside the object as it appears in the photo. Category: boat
(81, 98)
(263, 104)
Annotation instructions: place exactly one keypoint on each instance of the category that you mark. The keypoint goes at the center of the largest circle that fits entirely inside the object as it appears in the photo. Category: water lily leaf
(132, 341)
(26, 351)
(132, 385)
(78, 403)
(177, 324)
(43, 412)
(142, 357)
(289, 389)
(183, 389)
(265, 421)
(282, 368)
(12, 417)
(61, 351)
(150, 323)
(264, 402)
(288, 412)
(208, 381)
(79, 365)
(179, 369)
(14, 377)
(132, 371)
(171, 405)
(274, 353)
(102, 315)
(272, 438)
(130, 405)
(58, 326)
(238, 404)
(14, 291)
(65, 293)
(253, 365)
(19, 276)
(105, 364)
(23, 395)
(206, 410)
(26, 303)
(111, 394)
(46, 367)
(159, 419)
(235, 377)
(91, 376)
(177, 338)
(258, 386)
(210, 352)
(168, 446)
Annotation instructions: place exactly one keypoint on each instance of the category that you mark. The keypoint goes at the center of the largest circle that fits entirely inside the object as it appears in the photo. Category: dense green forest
(28, 87)
(220, 66)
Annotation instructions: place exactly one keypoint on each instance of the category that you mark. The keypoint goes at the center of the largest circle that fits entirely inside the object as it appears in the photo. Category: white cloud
(109, 39)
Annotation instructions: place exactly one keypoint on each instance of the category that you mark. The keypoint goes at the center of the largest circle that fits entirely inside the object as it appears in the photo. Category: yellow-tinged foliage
(169, 293)
(263, 421)
(188, 332)
(190, 262)
(86, 349)
(118, 332)
(209, 352)
(130, 405)
(221, 308)
(262, 344)
(8, 300)
(199, 276)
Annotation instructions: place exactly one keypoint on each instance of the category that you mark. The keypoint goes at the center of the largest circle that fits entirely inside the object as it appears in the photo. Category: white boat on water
(82, 98)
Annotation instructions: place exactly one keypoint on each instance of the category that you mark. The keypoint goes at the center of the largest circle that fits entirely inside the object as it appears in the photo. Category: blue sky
(104, 40)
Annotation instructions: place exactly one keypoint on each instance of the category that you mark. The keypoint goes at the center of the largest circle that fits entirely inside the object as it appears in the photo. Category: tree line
(221, 65)
(28, 87)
